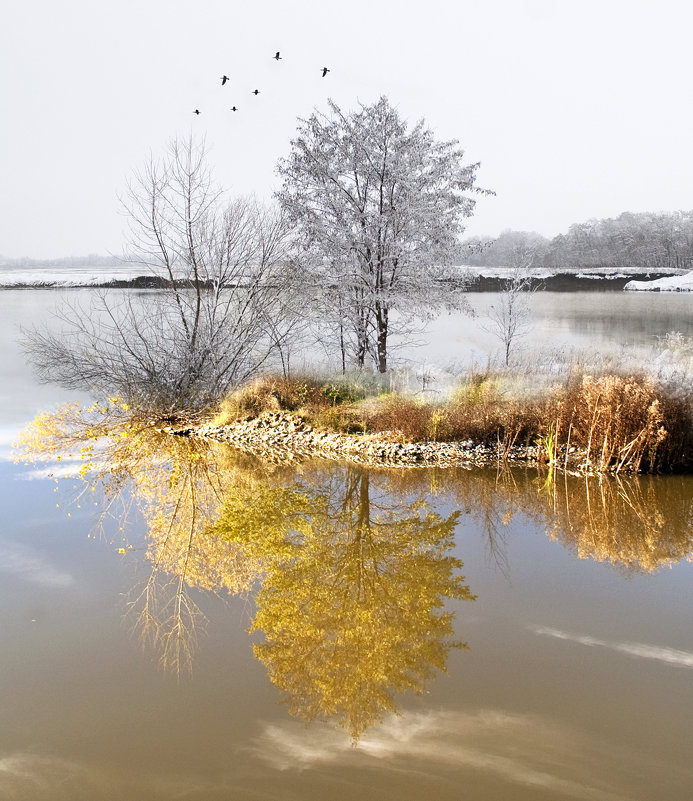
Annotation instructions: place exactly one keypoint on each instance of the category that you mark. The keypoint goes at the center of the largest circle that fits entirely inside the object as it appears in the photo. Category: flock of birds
(225, 79)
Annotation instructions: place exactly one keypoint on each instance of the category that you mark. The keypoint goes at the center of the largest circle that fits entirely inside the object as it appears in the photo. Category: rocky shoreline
(282, 437)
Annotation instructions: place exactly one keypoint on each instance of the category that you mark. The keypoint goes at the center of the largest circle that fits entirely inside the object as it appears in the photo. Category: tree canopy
(379, 207)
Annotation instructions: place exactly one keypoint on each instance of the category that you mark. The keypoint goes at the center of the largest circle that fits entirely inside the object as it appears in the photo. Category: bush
(271, 393)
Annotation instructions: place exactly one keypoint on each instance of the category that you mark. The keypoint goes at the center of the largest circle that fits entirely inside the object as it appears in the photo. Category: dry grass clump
(623, 423)
(274, 393)
(267, 393)
(410, 418)
(488, 410)
(481, 409)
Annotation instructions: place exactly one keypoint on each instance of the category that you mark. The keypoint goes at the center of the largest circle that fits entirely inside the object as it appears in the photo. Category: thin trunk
(342, 346)
(382, 322)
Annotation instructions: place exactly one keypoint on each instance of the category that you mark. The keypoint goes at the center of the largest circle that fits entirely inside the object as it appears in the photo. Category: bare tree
(509, 318)
(224, 310)
(380, 209)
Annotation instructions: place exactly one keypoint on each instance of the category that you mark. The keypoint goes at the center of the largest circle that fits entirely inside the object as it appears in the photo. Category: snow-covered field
(67, 276)
(683, 282)
(675, 283)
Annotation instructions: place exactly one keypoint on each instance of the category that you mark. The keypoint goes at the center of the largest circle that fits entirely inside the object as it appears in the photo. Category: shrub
(271, 393)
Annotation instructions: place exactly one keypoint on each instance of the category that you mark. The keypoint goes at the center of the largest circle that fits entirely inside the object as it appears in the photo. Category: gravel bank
(278, 436)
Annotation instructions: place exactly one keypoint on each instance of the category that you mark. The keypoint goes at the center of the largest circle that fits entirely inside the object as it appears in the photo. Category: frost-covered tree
(509, 317)
(380, 209)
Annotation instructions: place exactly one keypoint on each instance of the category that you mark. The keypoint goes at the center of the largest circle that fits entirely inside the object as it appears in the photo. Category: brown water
(201, 625)
(318, 630)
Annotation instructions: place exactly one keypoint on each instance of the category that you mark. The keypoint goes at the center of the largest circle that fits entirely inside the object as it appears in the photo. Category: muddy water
(256, 630)
(191, 623)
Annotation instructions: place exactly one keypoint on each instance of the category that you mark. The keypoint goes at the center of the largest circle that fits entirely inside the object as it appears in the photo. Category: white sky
(574, 109)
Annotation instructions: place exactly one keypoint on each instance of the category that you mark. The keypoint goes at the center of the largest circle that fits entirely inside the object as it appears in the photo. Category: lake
(189, 622)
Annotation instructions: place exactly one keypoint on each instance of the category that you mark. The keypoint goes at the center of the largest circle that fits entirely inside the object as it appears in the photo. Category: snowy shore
(478, 278)
(674, 283)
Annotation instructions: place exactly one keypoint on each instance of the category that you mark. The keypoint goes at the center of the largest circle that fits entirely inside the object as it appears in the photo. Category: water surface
(237, 629)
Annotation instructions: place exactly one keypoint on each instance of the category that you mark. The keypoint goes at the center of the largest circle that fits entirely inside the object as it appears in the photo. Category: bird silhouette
(197, 111)
(224, 78)
(256, 91)
(233, 108)
(324, 71)
(277, 56)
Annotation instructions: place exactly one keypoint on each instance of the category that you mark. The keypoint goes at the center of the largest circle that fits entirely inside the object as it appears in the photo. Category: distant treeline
(657, 242)
(92, 260)
(661, 241)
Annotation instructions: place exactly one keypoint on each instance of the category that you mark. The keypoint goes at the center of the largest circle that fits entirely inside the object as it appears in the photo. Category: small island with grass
(587, 424)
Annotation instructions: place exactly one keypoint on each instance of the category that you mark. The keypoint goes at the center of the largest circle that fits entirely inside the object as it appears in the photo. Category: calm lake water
(231, 629)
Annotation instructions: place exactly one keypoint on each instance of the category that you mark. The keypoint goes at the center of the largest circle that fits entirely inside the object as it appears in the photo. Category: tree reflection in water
(352, 602)
(352, 568)
(351, 575)
(637, 523)
(177, 485)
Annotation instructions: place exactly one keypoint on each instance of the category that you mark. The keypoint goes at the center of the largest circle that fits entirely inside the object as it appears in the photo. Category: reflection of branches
(637, 523)
(184, 556)
(177, 485)
(171, 625)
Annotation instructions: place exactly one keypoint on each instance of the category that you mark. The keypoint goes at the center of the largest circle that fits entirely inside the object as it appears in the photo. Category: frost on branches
(380, 208)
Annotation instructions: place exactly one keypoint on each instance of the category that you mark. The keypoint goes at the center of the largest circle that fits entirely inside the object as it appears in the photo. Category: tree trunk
(382, 318)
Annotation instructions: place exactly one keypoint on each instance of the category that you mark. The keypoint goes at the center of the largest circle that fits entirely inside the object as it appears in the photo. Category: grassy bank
(609, 422)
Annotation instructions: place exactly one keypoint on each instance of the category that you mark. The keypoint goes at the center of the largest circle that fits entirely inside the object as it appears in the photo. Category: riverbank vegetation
(598, 423)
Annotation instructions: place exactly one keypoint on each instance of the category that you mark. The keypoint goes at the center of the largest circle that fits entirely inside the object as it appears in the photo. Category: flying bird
(276, 56)
(197, 111)
(256, 91)
(233, 108)
(324, 71)
(224, 78)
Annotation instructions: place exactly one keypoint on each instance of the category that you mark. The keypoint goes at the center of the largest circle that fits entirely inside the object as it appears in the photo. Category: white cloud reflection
(519, 749)
(29, 776)
(64, 469)
(20, 560)
(669, 656)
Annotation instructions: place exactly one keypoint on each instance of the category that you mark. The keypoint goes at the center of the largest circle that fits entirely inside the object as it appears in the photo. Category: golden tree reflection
(637, 524)
(352, 568)
(352, 605)
(177, 484)
(353, 572)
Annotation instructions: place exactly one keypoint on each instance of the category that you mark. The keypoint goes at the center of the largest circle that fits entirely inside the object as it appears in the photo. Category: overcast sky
(574, 109)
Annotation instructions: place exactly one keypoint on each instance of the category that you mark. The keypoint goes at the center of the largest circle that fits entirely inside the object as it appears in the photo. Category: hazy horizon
(575, 111)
